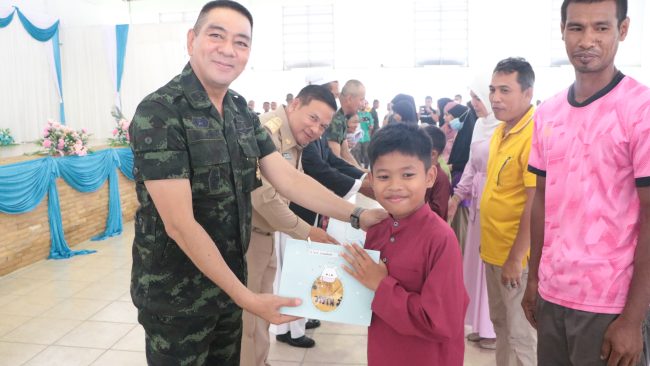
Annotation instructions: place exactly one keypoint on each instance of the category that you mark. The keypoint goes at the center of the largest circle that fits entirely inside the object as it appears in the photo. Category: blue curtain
(59, 248)
(126, 162)
(23, 186)
(121, 36)
(44, 35)
(6, 21)
(39, 34)
(88, 174)
(56, 50)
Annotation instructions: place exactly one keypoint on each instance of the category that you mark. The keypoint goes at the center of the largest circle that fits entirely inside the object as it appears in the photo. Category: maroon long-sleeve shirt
(419, 308)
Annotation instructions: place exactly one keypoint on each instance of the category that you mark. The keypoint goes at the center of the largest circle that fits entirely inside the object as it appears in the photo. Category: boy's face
(400, 183)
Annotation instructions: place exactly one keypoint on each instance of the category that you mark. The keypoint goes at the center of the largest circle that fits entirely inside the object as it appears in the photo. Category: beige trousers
(262, 265)
(516, 338)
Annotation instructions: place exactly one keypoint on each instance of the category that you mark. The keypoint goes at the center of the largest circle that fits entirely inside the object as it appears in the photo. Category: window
(308, 36)
(558, 52)
(629, 52)
(441, 32)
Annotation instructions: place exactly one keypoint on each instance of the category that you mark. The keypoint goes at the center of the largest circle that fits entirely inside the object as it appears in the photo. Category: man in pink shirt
(588, 288)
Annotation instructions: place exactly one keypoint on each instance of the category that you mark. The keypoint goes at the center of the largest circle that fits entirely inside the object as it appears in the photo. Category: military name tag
(287, 155)
(200, 122)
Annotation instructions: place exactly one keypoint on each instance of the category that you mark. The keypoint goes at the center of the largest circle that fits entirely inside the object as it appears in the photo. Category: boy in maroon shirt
(420, 299)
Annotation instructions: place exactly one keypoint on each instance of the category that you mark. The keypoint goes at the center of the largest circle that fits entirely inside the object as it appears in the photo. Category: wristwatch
(355, 217)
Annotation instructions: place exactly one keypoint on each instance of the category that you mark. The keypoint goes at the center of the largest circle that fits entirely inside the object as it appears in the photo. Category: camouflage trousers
(192, 340)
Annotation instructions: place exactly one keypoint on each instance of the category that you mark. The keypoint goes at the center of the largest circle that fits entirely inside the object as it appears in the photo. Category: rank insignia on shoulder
(273, 125)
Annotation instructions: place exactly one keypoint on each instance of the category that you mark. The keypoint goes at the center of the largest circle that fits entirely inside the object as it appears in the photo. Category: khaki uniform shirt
(270, 210)
(177, 133)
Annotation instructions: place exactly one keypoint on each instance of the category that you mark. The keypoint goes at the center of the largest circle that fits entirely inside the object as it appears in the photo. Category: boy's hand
(365, 270)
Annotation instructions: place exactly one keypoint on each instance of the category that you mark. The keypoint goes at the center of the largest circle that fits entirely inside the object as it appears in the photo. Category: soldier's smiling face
(220, 49)
(308, 122)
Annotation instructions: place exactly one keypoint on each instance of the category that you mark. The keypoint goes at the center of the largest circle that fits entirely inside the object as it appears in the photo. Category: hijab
(459, 155)
(485, 126)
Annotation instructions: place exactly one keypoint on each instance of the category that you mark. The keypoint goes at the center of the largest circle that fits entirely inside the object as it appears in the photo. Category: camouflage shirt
(177, 133)
(337, 130)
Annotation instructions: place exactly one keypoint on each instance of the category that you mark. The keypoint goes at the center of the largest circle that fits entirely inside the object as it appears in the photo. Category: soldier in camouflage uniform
(197, 149)
(352, 96)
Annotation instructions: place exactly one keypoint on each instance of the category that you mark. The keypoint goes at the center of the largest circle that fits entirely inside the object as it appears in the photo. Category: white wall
(368, 34)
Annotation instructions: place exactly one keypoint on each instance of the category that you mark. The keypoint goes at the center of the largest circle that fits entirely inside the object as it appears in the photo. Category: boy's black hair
(241, 9)
(404, 138)
(438, 138)
(525, 73)
(316, 92)
(621, 8)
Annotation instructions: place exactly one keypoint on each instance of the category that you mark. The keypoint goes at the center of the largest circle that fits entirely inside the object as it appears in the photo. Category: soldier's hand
(372, 217)
(319, 235)
(267, 307)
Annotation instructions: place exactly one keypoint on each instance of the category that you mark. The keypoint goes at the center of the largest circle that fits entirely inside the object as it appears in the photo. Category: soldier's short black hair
(316, 92)
(621, 8)
(404, 138)
(221, 4)
(438, 138)
(525, 73)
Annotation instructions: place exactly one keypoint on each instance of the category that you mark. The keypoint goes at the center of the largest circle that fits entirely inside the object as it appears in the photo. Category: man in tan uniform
(291, 128)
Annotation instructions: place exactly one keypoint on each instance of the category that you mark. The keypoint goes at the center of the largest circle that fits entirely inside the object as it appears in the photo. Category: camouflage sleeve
(337, 129)
(264, 141)
(158, 143)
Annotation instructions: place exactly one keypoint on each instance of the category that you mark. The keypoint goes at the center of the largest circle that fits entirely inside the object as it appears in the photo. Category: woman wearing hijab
(470, 189)
(461, 119)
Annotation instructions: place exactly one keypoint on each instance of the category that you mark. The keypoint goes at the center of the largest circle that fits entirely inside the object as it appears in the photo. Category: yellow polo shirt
(504, 195)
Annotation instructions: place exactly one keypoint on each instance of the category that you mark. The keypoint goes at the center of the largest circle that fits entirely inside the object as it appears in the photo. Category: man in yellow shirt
(505, 211)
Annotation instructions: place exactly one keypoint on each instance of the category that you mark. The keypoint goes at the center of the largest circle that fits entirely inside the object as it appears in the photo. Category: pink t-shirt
(593, 155)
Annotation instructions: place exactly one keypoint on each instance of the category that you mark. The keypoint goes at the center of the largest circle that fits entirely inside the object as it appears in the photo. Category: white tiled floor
(78, 312)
